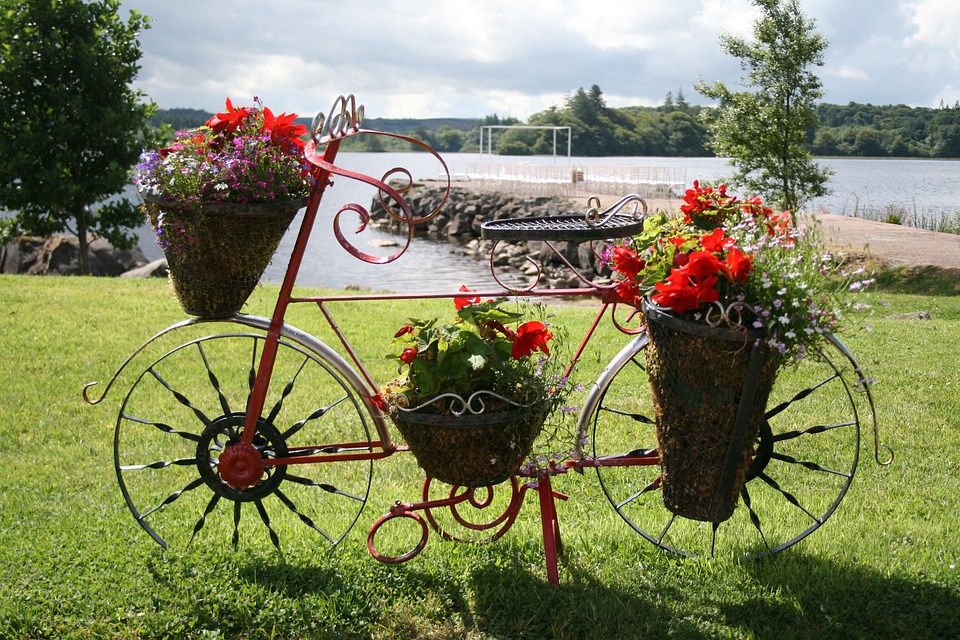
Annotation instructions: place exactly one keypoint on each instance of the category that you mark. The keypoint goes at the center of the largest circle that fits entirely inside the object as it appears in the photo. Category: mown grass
(74, 564)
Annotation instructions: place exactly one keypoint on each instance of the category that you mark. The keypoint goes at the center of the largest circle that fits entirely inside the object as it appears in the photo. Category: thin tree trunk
(80, 213)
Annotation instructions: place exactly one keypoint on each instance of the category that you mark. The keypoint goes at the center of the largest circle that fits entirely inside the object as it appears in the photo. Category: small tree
(764, 131)
(71, 127)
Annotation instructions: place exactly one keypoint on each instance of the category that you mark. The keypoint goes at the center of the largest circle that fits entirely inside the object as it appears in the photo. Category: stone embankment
(60, 255)
(459, 221)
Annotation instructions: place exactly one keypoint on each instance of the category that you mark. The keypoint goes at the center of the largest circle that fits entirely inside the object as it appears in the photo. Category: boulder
(60, 255)
(155, 269)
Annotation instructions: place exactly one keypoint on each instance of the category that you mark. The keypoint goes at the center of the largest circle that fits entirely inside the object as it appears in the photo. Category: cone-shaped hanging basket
(216, 253)
(710, 387)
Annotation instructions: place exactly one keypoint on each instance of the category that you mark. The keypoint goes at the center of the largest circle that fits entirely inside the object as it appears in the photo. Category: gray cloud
(454, 58)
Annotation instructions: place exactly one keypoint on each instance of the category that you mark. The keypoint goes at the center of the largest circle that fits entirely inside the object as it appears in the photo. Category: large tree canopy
(71, 125)
(764, 130)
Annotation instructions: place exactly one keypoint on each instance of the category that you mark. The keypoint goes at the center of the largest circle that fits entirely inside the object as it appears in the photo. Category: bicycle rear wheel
(803, 462)
(187, 408)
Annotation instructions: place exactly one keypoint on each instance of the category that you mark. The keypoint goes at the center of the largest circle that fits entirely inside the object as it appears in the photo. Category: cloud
(470, 59)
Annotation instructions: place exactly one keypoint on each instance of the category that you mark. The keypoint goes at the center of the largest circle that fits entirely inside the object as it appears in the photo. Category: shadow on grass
(824, 599)
(926, 281)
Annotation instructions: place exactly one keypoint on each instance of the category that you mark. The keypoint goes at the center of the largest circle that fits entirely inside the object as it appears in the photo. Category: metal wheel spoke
(754, 518)
(813, 466)
(820, 428)
(160, 464)
(789, 497)
(162, 427)
(173, 496)
(274, 538)
(252, 372)
(181, 398)
(650, 487)
(214, 499)
(313, 416)
(329, 488)
(303, 518)
(211, 376)
(236, 523)
(287, 390)
(799, 396)
(666, 528)
(637, 417)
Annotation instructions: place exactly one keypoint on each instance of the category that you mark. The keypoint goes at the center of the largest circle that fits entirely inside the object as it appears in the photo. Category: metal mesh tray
(560, 228)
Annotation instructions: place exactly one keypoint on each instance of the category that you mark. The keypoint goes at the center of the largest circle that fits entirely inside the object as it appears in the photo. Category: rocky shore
(466, 209)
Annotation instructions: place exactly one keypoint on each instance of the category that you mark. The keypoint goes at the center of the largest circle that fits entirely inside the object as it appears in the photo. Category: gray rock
(60, 255)
(155, 269)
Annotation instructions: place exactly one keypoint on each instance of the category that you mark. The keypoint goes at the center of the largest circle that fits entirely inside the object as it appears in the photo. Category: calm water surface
(924, 188)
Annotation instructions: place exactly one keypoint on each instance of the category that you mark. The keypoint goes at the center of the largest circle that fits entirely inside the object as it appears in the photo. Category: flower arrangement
(478, 351)
(473, 394)
(220, 199)
(242, 155)
(726, 260)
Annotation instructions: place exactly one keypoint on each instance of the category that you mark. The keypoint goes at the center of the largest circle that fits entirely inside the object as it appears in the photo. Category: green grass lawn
(74, 563)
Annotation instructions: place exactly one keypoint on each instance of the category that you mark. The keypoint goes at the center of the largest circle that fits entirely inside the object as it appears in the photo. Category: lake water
(923, 188)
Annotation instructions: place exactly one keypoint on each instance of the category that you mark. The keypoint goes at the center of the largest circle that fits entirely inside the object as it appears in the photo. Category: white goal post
(491, 127)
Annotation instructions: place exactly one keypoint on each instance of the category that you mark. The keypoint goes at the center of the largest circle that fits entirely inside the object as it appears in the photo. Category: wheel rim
(185, 413)
(804, 460)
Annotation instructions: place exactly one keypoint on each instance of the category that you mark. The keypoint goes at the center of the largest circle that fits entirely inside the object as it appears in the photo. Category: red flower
(531, 336)
(627, 262)
(403, 330)
(739, 265)
(409, 355)
(716, 241)
(680, 296)
(703, 264)
(283, 127)
(230, 120)
(629, 292)
(460, 303)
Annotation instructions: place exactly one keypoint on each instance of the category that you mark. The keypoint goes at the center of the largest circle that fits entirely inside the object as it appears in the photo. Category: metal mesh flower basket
(710, 388)
(470, 450)
(217, 253)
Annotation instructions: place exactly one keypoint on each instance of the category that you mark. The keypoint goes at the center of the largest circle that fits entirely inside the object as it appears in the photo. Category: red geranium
(531, 336)
(627, 262)
(460, 303)
(739, 265)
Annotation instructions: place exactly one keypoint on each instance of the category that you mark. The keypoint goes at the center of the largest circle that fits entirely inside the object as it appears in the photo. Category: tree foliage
(764, 129)
(71, 126)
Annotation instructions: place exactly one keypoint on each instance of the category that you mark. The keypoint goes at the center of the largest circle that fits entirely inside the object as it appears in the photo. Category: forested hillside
(671, 129)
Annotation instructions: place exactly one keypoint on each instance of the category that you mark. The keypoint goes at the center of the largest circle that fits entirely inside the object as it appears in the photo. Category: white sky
(472, 58)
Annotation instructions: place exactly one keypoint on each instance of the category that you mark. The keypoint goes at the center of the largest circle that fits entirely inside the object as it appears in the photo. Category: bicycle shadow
(843, 600)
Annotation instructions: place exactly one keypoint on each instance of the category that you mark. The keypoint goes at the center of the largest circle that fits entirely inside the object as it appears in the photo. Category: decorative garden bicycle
(250, 414)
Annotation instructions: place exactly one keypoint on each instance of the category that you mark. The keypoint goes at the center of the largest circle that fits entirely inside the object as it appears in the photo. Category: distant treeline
(671, 129)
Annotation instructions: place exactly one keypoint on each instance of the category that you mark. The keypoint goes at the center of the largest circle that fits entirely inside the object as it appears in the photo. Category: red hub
(241, 465)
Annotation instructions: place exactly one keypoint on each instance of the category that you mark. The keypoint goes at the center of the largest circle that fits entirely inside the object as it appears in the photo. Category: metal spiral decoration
(595, 216)
(459, 406)
(344, 119)
(728, 315)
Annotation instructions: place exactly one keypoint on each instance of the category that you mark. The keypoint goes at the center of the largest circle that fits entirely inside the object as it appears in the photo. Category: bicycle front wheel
(187, 408)
(804, 457)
